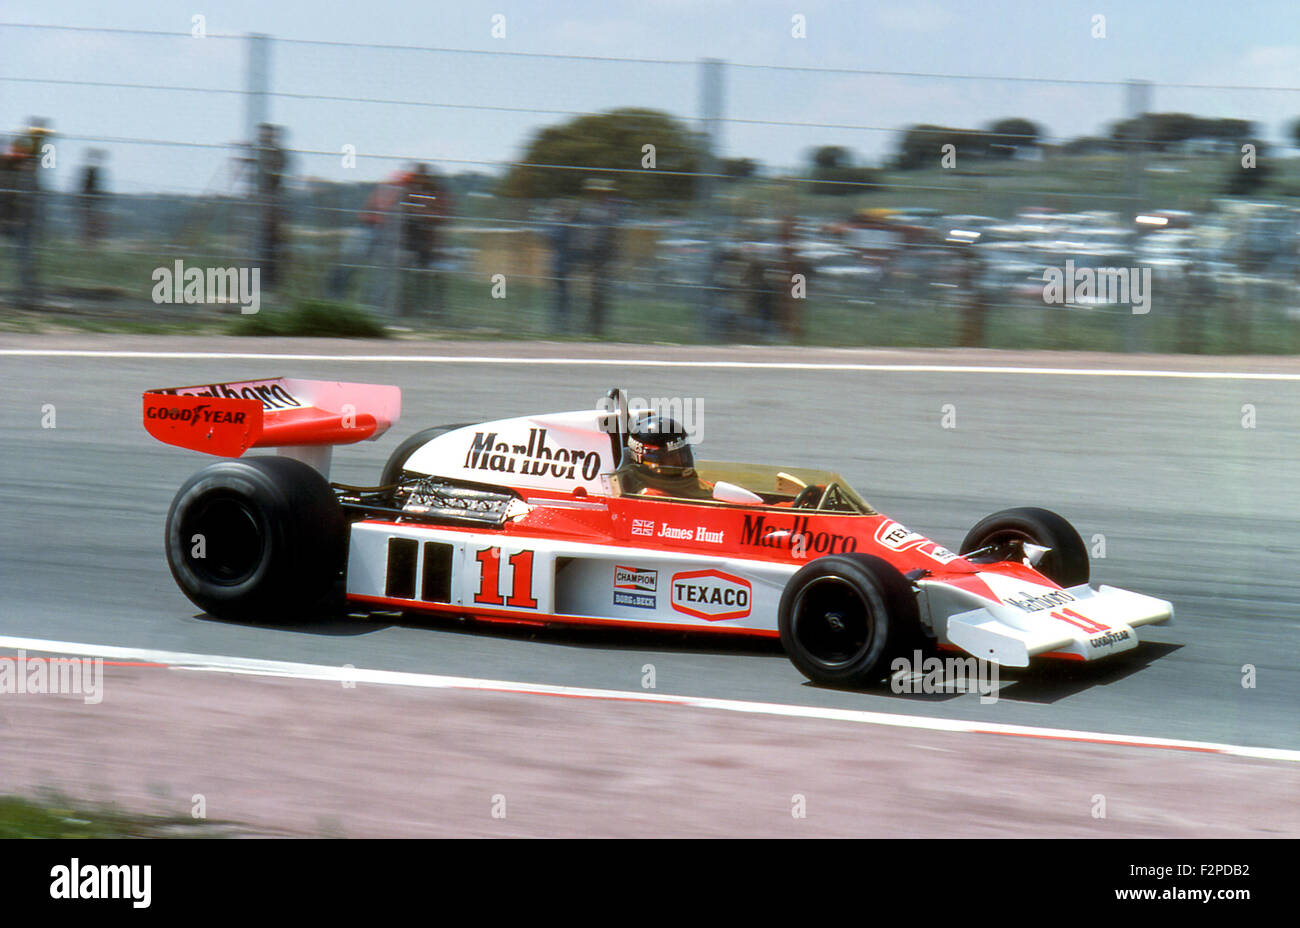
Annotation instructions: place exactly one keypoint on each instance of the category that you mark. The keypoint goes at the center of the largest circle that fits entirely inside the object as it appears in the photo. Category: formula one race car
(529, 520)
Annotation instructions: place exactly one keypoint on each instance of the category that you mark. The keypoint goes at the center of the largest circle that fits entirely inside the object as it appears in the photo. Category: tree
(608, 145)
(1087, 145)
(738, 168)
(1243, 179)
(835, 172)
(1157, 131)
(1007, 136)
(832, 156)
(921, 146)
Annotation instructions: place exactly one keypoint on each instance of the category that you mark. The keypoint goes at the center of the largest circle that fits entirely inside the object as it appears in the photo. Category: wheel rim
(831, 622)
(234, 541)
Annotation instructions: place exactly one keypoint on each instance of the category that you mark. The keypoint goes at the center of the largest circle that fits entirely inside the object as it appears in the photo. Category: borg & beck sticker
(634, 586)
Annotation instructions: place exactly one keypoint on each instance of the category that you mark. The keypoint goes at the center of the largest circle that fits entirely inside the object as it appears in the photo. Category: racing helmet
(660, 446)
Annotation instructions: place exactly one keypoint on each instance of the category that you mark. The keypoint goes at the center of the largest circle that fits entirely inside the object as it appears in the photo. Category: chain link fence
(396, 180)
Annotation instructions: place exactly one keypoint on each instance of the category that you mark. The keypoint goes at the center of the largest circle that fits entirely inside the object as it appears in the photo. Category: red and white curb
(178, 660)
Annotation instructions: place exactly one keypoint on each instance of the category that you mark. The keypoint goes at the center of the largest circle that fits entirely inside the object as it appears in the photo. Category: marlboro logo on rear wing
(227, 419)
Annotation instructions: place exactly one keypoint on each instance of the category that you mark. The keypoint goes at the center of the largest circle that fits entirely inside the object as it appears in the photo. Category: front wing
(1094, 624)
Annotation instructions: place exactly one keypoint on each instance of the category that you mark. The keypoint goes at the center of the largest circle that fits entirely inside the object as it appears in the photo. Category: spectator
(420, 201)
(757, 283)
(425, 207)
(364, 243)
(729, 298)
(791, 264)
(597, 230)
(271, 170)
(23, 209)
(562, 235)
(975, 308)
(91, 201)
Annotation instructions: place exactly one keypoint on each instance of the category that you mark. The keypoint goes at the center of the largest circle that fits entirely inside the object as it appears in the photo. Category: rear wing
(227, 419)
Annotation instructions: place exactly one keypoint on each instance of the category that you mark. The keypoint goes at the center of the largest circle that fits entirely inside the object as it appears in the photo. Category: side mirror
(1033, 553)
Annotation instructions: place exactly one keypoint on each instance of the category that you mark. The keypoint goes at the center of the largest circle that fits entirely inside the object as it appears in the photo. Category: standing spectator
(425, 208)
(24, 207)
(8, 189)
(971, 286)
(597, 227)
(562, 235)
(91, 201)
(756, 280)
(407, 212)
(364, 245)
(791, 264)
(729, 298)
(271, 170)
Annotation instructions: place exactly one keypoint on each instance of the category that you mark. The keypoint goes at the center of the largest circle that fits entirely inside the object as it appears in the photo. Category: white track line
(256, 667)
(652, 362)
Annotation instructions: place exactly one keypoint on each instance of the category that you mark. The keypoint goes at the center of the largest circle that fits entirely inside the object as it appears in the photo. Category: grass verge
(54, 816)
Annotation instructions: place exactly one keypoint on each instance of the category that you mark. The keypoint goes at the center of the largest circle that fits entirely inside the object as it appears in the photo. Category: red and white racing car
(523, 520)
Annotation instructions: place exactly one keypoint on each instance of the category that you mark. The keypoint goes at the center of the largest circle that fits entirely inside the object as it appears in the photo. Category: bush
(313, 318)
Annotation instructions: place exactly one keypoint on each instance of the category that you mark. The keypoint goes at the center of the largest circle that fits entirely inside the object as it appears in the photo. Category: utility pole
(1137, 101)
(711, 106)
(257, 70)
(257, 76)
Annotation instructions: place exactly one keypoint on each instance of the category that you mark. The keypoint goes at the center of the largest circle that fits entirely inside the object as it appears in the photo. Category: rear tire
(1066, 564)
(842, 617)
(392, 473)
(273, 540)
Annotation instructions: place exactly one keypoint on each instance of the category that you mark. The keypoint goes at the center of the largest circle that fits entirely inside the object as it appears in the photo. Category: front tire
(843, 616)
(262, 539)
(1066, 564)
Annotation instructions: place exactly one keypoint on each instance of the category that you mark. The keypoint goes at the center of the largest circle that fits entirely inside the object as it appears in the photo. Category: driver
(658, 461)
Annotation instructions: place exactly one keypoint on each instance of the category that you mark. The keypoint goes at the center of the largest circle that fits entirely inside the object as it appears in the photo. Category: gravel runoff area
(284, 756)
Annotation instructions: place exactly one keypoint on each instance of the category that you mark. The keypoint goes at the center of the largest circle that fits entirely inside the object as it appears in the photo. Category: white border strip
(653, 362)
(257, 667)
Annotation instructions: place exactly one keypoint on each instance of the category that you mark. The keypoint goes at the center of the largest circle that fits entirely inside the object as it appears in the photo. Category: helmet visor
(669, 459)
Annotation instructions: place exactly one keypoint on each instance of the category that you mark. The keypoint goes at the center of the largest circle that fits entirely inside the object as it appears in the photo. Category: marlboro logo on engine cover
(712, 595)
(537, 457)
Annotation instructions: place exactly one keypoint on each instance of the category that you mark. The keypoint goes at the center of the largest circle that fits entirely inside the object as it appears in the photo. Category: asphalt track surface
(1193, 507)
